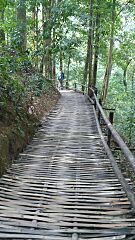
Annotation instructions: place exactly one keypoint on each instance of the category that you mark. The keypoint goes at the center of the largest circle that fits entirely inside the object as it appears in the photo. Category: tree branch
(122, 8)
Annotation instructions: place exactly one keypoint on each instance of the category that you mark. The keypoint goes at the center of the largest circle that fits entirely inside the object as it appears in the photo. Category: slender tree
(90, 45)
(96, 45)
(2, 10)
(85, 75)
(35, 32)
(47, 19)
(109, 60)
(21, 25)
(68, 69)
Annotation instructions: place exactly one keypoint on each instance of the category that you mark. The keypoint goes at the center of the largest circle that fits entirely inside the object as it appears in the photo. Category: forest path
(63, 186)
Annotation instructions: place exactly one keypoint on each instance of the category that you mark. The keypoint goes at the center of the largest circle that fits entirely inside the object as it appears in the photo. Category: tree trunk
(68, 66)
(85, 75)
(131, 126)
(21, 25)
(53, 59)
(61, 60)
(35, 36)
(54, 69)
(125, 74)
(2, 36)
(47, 39)
(109, 62)
(96, 50)
(2, 33)
(90, 46)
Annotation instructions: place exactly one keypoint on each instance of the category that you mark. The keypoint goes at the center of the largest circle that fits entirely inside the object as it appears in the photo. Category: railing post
(66, 84)
(83, 88)
(95, 105)
(75, 86)
(99, 113)
(111, 116)
(95, 90)
(90, 92)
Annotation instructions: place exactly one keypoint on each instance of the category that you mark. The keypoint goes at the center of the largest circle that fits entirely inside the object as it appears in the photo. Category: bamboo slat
(63, 186)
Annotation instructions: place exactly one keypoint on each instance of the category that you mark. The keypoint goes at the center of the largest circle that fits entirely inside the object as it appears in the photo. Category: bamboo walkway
(63, 186)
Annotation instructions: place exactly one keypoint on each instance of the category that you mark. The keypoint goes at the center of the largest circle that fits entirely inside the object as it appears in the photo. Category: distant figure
(61, 78)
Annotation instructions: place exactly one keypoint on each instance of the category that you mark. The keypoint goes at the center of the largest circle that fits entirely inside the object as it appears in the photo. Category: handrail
(82, 86)
(124, 148)
(116, 136)
(127, 188)
(111, 131)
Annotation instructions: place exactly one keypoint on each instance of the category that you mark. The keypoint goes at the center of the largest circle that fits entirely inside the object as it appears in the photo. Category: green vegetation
(93, 41)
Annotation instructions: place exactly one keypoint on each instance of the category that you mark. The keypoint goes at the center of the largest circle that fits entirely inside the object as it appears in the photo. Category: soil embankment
(18, 126)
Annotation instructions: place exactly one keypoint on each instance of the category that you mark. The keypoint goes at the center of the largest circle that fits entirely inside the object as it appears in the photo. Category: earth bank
(18, 126)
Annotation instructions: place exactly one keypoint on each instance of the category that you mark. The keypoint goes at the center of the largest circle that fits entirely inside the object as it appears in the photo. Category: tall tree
(85, 75)
(96, 44)
(35, 33)
(2, 10)
(109, 60)
(21, 25)
(90, 45)
(47, 19)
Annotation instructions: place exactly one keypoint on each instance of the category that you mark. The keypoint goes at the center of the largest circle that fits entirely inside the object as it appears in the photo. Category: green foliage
(62, 36)
(18, 81)
(2, 5)
(11, 61)
(123, 101)
(36, 84)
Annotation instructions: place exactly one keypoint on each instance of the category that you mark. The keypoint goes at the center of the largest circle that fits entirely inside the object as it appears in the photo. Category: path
(63, 187)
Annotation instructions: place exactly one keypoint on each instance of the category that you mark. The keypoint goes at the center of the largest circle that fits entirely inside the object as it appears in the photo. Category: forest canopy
(92, 41)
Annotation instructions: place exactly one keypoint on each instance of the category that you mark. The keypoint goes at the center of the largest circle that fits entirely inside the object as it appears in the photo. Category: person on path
(61, 78)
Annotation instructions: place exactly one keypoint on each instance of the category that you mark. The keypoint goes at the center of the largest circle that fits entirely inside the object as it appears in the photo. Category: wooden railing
(80, 87)
(108, 122)
(111, 134)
